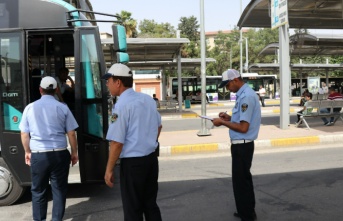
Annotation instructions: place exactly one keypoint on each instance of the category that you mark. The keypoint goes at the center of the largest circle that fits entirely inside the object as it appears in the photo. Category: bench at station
(317, 105)
(168, 104)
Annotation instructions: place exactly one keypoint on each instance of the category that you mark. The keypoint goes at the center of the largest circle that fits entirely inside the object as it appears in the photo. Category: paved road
(291, 184)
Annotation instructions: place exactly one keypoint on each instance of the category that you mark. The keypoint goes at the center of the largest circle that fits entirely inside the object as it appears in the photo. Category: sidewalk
(185, 142)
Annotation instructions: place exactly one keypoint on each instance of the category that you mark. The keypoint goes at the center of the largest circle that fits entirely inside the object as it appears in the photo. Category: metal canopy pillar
(179, 78)
(164, 88)
(203, 130)
(327, 76)
(285, 73)
(301, 82)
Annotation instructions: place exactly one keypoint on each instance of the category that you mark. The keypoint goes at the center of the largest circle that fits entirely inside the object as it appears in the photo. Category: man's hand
(115, 150)
(224, 116)
(74, 158)
(218, 122)
(109, 178)
(28, 158)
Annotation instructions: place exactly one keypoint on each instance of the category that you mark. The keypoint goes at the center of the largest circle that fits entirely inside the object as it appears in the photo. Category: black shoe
(235, 214)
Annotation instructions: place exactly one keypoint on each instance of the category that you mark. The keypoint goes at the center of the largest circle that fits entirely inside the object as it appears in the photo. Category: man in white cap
(244, 125)
(133, 133)
(44, 126)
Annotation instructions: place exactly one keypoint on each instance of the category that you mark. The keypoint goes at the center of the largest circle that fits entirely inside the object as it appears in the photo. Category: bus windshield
(11, 77)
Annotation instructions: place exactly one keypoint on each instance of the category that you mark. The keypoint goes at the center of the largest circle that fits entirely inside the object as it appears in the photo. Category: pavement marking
(259, 144)
(194, 148)
(295, 141)
(216, 104)
(189, 115)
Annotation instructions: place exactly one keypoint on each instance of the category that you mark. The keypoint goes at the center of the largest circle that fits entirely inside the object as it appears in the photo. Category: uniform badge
(114, 117)
(244, 107)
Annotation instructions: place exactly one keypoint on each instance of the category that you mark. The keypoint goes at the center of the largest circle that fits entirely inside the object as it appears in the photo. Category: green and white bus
(47, 35)
(191, 86)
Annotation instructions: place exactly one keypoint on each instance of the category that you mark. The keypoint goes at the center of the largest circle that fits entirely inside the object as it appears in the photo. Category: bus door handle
(13, 150)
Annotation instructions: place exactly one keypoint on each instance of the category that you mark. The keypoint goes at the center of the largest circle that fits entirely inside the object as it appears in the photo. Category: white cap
(119, 70)
(227, 76)
(48, 83)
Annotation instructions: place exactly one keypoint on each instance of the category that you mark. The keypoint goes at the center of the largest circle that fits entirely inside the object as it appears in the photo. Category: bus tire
(10, 190)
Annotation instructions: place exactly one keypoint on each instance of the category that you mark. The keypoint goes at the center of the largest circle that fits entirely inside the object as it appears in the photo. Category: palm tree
(129, 23)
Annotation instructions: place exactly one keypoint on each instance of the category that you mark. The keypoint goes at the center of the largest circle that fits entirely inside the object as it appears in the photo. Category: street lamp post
(246, 55)
(240, 47)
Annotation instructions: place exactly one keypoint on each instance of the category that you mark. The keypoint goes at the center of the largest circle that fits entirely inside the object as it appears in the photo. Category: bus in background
(191, 86)
(37, 37)
(269, 82)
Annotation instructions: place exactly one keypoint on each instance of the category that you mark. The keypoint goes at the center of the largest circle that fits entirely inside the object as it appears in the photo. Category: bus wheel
(10, 190)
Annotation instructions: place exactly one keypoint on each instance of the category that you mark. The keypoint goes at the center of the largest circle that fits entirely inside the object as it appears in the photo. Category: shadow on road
(310, 195)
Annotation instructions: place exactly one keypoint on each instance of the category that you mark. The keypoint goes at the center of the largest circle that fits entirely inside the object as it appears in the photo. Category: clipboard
(206, 117)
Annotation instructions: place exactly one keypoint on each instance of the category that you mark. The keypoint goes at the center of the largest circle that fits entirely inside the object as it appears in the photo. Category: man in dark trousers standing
(244, 125)
(44, 126)
(133, 133)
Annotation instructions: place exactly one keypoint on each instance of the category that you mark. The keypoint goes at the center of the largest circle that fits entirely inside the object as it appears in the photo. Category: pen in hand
(222, 115)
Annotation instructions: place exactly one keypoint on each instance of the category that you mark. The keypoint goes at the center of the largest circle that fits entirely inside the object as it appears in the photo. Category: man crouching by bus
(44, 126)
(133, 133)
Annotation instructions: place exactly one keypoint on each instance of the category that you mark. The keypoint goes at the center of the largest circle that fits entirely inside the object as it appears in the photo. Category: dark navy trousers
(243, 187)
(53, 166)
(139, 187)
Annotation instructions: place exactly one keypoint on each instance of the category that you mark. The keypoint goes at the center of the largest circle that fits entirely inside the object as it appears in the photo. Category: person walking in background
(262, 94)
(305, 110)
(244, 125)
(133, 134)
(333, 95)
(44, 126)
(156, 100)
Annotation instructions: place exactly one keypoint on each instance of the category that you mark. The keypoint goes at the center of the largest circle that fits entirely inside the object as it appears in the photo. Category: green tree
(151, 29)
(224, 44)
(129, 23)
(189, 28)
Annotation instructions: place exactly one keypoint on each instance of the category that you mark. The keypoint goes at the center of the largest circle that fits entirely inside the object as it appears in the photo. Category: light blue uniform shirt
(134, 123)
(247, 108)
(47, 120)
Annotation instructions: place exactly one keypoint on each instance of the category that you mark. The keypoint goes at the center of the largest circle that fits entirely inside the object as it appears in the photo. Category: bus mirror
(119, 38)
(122, 57)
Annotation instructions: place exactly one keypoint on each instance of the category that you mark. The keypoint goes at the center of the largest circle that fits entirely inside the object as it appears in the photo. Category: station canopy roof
(152, 53)
(273, 67)
(307, 14)
(310, 45)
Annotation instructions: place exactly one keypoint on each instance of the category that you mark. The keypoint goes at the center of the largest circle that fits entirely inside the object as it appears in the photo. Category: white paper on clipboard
(206, 117)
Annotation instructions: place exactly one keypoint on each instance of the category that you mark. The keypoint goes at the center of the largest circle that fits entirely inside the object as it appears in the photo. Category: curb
(259, 144)
(195, 115)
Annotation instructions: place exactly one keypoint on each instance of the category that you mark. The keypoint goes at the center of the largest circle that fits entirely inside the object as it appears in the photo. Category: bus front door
(14, 173)
(91, 105)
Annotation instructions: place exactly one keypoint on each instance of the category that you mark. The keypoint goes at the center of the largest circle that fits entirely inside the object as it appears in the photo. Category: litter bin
(187, 104)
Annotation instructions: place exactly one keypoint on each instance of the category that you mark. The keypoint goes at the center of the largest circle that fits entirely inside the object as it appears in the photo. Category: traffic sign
(279, 13)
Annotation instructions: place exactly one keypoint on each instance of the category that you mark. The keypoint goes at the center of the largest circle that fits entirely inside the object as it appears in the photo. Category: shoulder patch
(114, 117)
(244, 107)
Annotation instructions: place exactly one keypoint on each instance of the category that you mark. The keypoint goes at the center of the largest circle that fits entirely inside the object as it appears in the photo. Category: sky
(218, 14)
